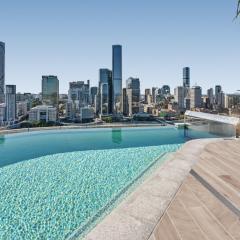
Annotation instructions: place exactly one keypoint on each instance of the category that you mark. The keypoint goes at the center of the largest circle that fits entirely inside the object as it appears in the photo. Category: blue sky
(72, 39)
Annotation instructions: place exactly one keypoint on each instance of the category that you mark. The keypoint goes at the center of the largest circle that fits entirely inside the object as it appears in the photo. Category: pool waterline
(24, 146)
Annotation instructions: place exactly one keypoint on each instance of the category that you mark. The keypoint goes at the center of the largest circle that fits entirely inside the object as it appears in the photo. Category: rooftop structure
(213, 117)
(216, 124)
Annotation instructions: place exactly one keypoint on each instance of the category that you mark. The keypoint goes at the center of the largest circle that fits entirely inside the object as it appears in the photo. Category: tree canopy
(238, 9)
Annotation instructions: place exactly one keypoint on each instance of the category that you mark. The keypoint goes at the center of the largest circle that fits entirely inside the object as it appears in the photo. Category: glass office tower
(93, 94)
(50, 90)
(116, 78)
(133, 95)
(186, 77)
(218, 90)
(2, 71)
(105, 91)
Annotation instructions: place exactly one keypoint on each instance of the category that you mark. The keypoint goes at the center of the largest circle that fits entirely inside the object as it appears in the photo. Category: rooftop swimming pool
(58, 184)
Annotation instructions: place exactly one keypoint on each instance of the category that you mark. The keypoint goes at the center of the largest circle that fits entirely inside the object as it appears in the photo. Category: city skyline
(152, 52)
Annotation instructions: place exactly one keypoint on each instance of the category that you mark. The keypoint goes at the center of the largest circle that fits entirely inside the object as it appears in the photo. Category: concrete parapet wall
(220, 129)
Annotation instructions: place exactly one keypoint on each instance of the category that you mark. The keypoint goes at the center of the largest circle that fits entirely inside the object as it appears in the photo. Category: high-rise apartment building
(116, 78)
(210, 96)
(50, 90)
(10, 100)
(218, 89)
(196, 97)
(133, 95)
(179, 95)
(221, 99)
(105, 91)
(79, 92)
(2, 71)
(186, 77)
(78, 97)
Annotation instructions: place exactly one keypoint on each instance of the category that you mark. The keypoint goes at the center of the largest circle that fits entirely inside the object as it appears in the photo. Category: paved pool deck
(193, 195)
(207, 205)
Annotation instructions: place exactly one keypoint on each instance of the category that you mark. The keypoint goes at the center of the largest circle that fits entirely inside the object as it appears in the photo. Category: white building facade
(43, 114)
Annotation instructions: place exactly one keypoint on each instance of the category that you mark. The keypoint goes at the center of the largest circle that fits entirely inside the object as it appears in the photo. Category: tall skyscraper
(133, 95)
(116, 78)
(105, 91)
(186, 77)
(124, 102)
(210, 96)
(50, 90)
(93, 94)
(221, 99)
(2, 71)
(218, 89)
(196, 97)
(10, 100)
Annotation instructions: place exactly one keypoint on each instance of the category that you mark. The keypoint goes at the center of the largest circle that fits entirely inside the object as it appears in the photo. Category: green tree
(238, 9)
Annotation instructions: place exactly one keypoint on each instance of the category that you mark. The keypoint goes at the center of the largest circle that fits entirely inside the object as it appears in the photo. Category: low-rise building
(148, 108)
(232, 100)
(43, 113)
(86, 114)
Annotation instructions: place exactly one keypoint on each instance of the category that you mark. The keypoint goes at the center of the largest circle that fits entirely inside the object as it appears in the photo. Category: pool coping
(137, 215)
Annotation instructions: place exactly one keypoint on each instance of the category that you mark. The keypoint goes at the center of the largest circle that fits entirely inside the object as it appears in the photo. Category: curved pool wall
(54, 183)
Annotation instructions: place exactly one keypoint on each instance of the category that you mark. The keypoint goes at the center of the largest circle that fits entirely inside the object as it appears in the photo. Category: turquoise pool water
(56, 182)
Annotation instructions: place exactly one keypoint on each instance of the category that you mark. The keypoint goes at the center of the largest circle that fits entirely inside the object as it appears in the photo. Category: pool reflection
(117, 136)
